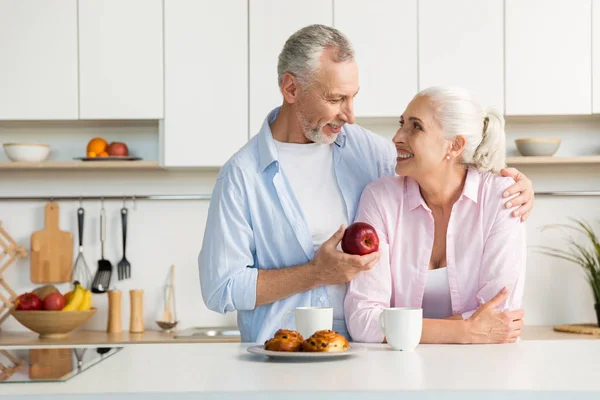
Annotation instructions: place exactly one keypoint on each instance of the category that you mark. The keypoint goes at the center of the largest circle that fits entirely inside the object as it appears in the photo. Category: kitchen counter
(100, 338)
(547, 369)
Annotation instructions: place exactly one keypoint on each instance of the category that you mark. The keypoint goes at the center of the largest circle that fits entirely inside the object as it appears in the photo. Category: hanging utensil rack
(207, 197)
(134, 198)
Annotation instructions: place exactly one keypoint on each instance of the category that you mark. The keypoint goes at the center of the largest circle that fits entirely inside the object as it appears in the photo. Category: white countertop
(218, 369)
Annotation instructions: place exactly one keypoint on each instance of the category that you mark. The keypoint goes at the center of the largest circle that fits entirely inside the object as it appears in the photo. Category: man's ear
(457, 146)
(290, 88)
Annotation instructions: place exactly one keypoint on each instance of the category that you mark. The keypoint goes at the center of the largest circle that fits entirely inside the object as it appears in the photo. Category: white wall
(162, 233)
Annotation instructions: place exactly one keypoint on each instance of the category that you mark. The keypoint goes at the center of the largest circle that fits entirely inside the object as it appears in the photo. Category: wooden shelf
(553, 160)
(76, 165)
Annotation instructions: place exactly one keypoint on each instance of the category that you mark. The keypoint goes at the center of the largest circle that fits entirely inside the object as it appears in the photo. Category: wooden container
(114, 312)
(52, 324)
(136, 316)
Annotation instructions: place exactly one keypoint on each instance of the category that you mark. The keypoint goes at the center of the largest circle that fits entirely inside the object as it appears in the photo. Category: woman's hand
(524, 201)
(487, 325)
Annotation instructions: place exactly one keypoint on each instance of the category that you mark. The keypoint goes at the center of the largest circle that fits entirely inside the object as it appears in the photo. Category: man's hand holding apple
(332, 267)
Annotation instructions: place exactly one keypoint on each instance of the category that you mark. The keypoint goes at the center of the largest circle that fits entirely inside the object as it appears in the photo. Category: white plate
(260, 349)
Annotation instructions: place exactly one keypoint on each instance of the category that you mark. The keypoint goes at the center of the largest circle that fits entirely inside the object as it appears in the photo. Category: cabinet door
(596, 56)
(461, 43)
(548, 57)
(206, 82)
(38, 49)
(384, 35)
(271, 23)
(120, 59)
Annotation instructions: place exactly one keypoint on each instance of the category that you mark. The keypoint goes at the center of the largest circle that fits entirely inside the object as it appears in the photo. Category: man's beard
(314, 134)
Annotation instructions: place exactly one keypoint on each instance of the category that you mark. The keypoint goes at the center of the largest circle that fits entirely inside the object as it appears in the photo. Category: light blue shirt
(254, 221)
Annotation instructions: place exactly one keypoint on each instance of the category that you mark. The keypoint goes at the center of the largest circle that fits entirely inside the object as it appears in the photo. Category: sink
(209, 332)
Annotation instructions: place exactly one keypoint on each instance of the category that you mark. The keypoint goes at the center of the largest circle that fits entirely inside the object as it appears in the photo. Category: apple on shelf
(118, 149)
(360, 238)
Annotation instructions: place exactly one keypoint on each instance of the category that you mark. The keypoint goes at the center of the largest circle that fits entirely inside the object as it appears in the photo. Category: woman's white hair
(458, 113)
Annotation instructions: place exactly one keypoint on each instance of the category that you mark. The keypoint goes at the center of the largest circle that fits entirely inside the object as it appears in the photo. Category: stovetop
(50, 364)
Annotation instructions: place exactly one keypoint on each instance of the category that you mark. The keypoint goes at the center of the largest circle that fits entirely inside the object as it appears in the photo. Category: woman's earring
(447, 157)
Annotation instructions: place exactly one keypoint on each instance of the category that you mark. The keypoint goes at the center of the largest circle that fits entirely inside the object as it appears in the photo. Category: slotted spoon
(103, 274)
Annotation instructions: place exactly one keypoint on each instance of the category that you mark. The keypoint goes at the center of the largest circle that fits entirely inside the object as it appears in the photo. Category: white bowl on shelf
(26, 152)
(538, 147)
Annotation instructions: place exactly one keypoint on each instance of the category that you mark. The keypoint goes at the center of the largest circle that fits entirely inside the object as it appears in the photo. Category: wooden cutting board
(587, 329)
(51, 250)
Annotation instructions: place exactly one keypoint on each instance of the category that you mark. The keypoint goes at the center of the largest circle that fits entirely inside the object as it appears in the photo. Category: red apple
(54, 302)
(117, 149)
(360, 238)
(28, 302)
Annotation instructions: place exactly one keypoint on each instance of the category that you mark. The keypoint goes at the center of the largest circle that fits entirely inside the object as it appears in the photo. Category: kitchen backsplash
(161, 233)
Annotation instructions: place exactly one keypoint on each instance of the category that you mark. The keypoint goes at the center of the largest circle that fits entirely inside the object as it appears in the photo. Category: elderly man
(280, 203)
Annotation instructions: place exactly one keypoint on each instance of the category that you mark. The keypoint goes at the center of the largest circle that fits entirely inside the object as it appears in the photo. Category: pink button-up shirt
(485, 250)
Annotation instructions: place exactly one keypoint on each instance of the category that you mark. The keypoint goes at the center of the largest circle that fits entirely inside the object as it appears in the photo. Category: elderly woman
(448, 244)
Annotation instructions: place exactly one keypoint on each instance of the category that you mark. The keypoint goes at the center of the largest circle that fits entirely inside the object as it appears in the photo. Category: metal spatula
(104, 272)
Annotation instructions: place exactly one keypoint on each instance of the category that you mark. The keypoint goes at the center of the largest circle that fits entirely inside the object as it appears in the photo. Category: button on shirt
(255, 222)
(485, 250)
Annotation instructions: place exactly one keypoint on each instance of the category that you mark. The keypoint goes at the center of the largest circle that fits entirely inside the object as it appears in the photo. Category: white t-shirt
(309, 169)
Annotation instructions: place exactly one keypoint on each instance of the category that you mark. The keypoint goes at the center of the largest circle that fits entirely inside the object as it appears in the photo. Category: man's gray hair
(302, 51)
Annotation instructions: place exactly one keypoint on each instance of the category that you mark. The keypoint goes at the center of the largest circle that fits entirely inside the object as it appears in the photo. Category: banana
(86, 304)
(75, 298)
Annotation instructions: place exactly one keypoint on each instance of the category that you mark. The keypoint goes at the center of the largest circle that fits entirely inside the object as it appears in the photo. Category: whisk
(81, 271)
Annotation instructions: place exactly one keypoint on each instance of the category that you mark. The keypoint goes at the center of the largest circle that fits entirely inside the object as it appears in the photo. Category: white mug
(402, 327)
(310, 319)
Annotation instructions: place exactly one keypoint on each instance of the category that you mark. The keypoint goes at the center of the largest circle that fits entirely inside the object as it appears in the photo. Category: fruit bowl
(26, 152)
(52, 324)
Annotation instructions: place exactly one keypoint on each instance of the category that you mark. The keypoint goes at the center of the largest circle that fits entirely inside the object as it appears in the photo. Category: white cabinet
(38, 53)
(271, 23)
(384, 36)
(120, 59)
(596, 56)
(461, 43)
(548, 57)
(206, 82)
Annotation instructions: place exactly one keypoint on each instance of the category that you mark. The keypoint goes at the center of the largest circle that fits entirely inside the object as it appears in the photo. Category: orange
(103, 154)
(91, 154)
(97, 145)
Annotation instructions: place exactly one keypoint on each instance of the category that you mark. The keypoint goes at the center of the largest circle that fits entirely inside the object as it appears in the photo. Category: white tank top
(436, 299)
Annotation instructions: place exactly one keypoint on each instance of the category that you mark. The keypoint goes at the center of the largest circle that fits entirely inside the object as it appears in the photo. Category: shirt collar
(470, 190)
(340, 141)
(414, 195)
(267, 152)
